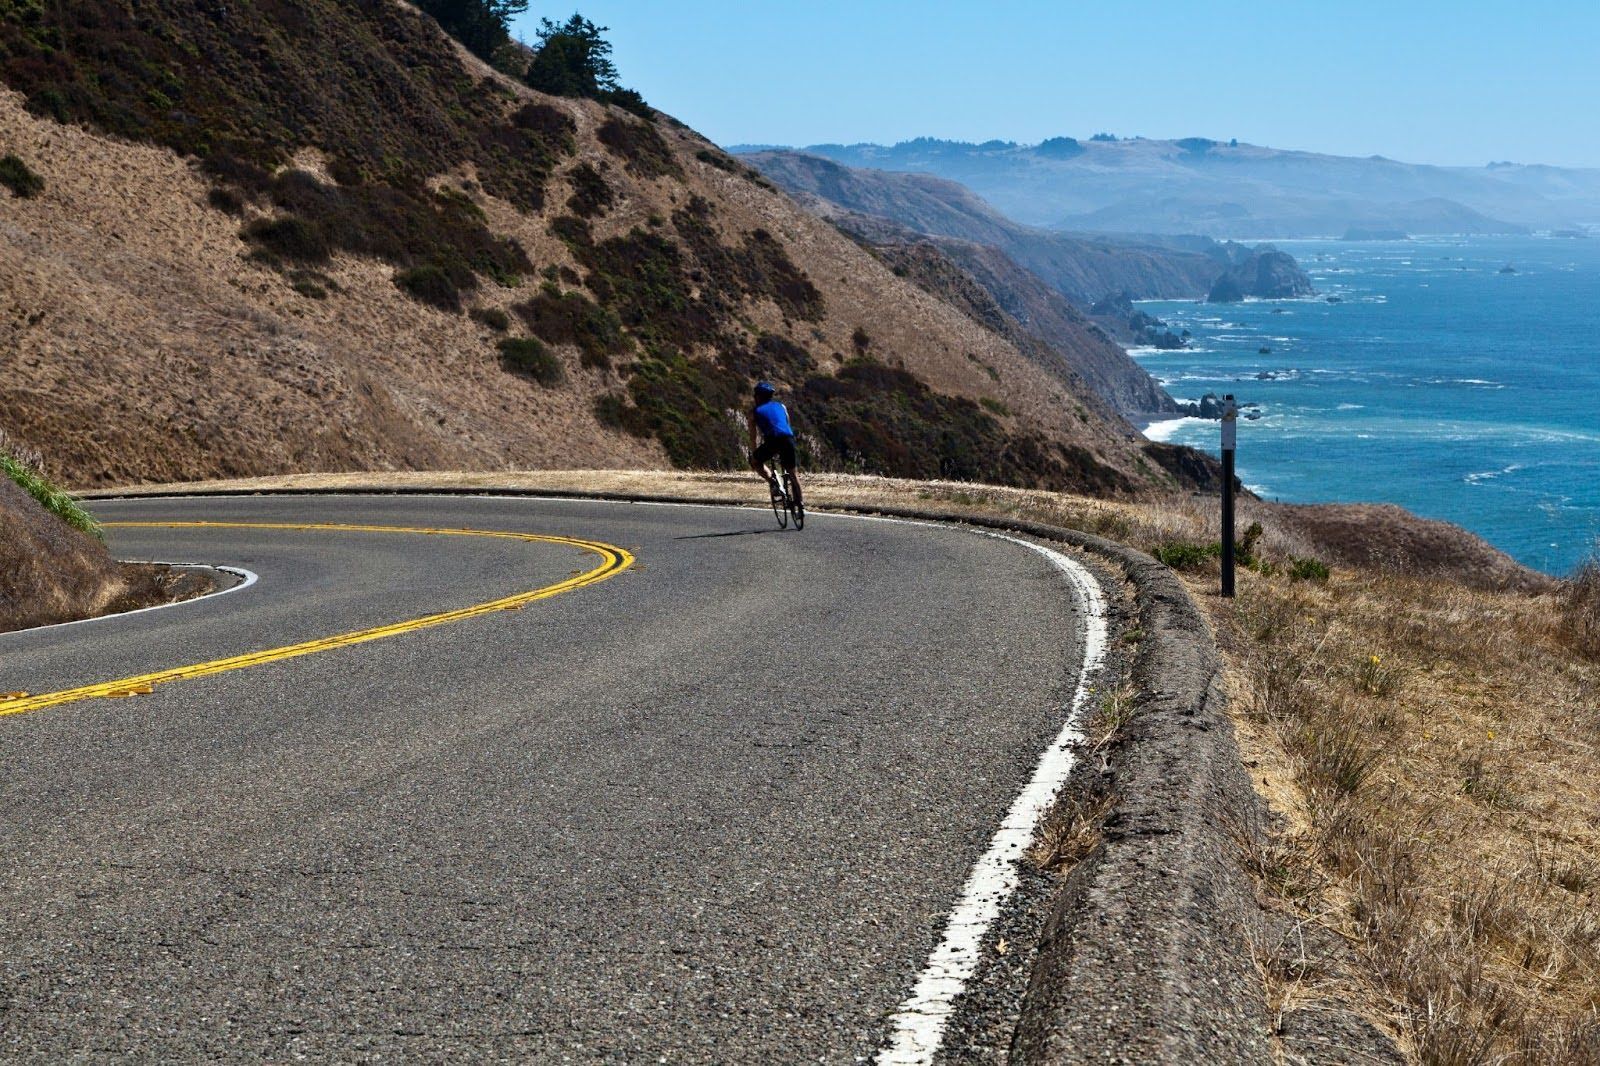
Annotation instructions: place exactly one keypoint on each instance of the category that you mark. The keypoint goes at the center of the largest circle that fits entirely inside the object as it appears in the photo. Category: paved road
(713, 808)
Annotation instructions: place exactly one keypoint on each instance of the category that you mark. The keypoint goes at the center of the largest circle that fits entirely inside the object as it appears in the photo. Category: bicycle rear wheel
(795, 510)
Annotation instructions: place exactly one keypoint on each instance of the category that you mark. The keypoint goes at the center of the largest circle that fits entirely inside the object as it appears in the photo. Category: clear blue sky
(1464, 82)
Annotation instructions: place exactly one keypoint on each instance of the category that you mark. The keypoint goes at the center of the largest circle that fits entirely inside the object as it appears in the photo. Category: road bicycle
(784, 506)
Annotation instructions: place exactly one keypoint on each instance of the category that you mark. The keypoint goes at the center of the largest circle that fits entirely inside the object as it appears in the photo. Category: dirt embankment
(50, 572)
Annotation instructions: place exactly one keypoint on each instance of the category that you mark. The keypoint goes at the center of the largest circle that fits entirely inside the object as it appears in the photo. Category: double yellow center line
(614, 560)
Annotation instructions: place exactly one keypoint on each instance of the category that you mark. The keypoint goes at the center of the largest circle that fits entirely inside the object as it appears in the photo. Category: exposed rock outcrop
(1265, 273)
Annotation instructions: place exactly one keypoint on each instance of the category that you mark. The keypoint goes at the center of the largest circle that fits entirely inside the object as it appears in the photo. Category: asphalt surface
(715, 808)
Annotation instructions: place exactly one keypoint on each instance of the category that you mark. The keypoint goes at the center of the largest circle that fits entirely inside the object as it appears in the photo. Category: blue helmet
(764, 391)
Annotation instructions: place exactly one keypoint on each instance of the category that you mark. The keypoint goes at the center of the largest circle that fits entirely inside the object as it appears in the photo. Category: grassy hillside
(308, 234)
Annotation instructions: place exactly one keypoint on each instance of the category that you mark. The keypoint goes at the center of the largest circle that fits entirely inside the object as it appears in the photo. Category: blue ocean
(1424, 373)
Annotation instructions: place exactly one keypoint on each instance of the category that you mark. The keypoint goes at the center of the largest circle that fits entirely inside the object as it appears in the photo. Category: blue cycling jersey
(772, 419)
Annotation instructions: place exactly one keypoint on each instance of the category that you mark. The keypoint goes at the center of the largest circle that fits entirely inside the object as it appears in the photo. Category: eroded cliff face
(338, 242)
(989, 287)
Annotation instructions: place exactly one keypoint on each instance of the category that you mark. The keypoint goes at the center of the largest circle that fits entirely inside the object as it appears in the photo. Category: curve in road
(717, 809)
(613, 561)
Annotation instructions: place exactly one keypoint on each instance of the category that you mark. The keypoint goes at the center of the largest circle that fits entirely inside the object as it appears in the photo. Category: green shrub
(613, 411)
(590, 193)
(1245, 548)
(630, 100)
(1307, 569)
(884, 420)
(492, 317)
(994, 406)
(640, 146)
(50, 498)
(684, 403)
(775, 357)
(528, 355)
(1186, 555)
(720, 160)
(432, 284)
(16, 176)
(290, 238)
(573, 318)
(226, 200)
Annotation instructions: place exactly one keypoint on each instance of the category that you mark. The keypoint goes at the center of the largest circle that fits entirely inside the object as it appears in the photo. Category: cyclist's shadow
(731, 533)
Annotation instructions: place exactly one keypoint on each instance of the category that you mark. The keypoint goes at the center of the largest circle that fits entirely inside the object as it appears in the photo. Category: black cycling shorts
(782, 447)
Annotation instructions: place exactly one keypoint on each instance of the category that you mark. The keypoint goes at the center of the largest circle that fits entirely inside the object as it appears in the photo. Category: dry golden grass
(1431, 743)
(1432, 748)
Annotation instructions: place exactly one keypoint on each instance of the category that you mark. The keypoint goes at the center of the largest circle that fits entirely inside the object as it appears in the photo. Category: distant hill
(1083, 269)
(1229, 189)
(262, 238)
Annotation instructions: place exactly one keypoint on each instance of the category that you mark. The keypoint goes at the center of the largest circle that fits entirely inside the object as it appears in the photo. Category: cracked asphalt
(715, 808)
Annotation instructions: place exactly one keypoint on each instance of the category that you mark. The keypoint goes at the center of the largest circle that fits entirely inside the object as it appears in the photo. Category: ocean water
(1436, 382)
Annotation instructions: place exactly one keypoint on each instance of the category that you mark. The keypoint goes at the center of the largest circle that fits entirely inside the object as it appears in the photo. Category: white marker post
(1230, 443)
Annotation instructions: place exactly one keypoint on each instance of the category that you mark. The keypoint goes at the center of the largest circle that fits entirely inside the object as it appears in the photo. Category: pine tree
(573, 60)
(482, 25)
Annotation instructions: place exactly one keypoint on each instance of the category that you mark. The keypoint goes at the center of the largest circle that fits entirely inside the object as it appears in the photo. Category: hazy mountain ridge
(1084, 269)
(1199, 185)
(267, 245)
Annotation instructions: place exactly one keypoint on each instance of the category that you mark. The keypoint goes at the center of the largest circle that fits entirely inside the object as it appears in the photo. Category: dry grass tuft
(1580, 608)
(1070, 832)
(1118, 707)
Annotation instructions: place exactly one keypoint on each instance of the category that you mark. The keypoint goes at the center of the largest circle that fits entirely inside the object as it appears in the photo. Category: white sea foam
(1489, 475)
(1166, 429)
(1351, 407)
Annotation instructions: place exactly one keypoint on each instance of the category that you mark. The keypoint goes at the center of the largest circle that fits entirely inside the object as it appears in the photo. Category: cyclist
(769, 421)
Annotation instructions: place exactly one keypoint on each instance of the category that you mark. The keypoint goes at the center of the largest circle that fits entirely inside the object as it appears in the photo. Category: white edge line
(250, 578)
(919, 1025)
